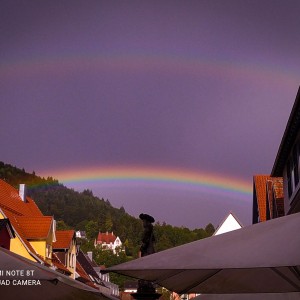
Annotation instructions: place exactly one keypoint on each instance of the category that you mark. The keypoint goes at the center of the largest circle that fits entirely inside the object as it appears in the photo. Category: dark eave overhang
(290, 134)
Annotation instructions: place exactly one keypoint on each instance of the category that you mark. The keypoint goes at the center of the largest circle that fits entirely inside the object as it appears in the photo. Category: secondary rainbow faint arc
(152, 175)
(141, 62)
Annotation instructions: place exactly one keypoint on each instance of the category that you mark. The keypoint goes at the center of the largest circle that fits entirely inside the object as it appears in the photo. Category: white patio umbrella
(261, 258)
(261, 296)
(15, 270)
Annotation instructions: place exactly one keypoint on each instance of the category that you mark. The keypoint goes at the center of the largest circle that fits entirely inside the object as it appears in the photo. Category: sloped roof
(288, 139)
(35, 227)
(86, 264)
(19, 232)
(63, 239)
(107, 237)
(260, 182)
(59, 265)
(10, 200)
(13, 207)
(230, 223)
(81, 272)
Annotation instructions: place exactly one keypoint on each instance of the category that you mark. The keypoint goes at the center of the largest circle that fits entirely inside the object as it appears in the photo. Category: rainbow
(136, 62)
(116, 176)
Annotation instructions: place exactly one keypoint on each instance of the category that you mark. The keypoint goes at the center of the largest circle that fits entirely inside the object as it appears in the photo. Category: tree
(61, 225)
(108, 222)
(91, 230)
(210, 229)
(109, 259)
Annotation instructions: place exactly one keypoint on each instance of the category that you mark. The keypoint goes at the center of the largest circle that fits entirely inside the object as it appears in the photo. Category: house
(108, 241)
(113, 289)
(65, 249)
(88, 266)
(277, 194)
(33, 232)
(80, 234)
(268, 202)
(286, 164)
(39, 232)
(59, 266)
(228, 224)
(25, 231)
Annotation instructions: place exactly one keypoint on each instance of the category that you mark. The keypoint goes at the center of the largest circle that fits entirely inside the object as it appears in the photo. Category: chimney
(22, 192)
(90, 255)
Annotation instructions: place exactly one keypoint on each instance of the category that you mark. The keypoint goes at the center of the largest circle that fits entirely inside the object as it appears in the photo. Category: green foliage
(91, 229)
(61, 225)
(210, 229)
(109, 259)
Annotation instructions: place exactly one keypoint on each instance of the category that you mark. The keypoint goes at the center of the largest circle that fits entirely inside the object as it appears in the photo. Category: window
(293, 170)
(289, 179)
(48, 251)
(295, 165)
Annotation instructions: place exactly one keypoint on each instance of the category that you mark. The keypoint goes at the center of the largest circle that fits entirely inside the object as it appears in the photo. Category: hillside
(84, 211)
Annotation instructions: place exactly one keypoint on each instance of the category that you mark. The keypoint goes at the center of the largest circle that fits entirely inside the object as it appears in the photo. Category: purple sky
(206, 86)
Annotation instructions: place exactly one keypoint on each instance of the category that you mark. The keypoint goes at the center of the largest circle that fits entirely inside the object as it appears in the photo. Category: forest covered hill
(85, 211)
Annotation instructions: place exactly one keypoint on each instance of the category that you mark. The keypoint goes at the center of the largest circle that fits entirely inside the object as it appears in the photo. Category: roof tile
(35, 227)
(107, 237)
(63, 239)
(10, 200)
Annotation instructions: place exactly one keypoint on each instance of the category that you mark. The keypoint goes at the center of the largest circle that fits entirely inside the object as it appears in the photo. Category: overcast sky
(197, 86)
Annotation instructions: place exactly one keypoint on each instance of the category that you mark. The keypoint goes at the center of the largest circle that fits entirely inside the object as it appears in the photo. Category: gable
(229, 224)
(106, 238)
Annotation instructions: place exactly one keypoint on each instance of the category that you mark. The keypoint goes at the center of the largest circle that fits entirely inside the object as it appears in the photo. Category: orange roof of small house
(10, 200)
(35, 227)
(19, 232)
(107, 237)
(13, 207)
(63, 239)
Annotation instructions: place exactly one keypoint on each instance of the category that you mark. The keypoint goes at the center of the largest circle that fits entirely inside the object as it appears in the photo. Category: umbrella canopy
(262, 296)
(21, 278)
(261, 258)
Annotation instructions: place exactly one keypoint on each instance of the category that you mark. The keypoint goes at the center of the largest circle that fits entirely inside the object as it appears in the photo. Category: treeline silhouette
(85, 211)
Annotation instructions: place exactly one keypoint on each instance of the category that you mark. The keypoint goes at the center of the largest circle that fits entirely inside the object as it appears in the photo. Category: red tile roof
(107, 237)
(10, 200)
(21, 215)
(19, 231)
(63, 239)
(35, 227)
